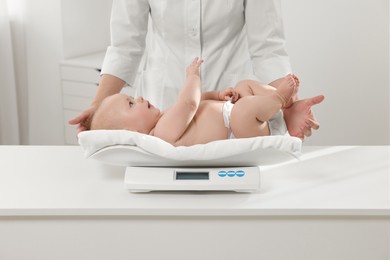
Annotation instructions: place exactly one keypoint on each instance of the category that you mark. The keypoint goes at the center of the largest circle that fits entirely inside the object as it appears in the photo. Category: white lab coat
(238, 39)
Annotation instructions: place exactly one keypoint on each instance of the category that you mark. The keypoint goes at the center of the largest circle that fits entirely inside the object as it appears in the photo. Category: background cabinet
(83, 48)
(79, 81)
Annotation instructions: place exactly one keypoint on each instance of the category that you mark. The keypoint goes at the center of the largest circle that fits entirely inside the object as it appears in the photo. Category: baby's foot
(296, 79)
(287, 89)
(294, 96)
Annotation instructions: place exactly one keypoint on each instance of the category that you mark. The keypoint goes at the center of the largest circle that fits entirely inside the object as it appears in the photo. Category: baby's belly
(207, 126)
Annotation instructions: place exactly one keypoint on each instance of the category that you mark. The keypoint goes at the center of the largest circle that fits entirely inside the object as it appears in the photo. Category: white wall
(54, 30)
(16, 10)
(340, 48)
(43, 50)
(85, 26)
(9, 125)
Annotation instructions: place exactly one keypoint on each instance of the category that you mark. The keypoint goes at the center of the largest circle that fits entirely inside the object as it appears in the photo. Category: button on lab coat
(238, 39)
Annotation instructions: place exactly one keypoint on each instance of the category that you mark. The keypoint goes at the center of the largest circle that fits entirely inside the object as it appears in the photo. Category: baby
(240, 112)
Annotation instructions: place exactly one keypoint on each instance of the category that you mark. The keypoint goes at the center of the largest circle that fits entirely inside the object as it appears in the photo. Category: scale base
(146, 179)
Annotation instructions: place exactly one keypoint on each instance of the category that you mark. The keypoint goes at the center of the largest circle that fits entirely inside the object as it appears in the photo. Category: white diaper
(276, 125)
(226, 111)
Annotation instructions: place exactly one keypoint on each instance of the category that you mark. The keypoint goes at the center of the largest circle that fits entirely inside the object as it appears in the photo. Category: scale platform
(146, 179)
(154, 165)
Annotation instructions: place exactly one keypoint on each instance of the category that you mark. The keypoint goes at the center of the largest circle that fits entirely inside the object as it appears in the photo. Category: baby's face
(134, 114)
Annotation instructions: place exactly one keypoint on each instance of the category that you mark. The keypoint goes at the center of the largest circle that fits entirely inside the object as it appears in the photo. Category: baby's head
(122, 112)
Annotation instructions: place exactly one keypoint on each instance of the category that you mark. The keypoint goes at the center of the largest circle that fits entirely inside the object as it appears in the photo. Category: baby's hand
(229, 94)
(193, 68)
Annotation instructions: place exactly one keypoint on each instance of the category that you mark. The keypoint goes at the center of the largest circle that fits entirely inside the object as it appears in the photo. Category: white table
(332, 204)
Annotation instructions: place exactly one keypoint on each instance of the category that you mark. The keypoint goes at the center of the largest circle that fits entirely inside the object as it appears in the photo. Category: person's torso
(182, 30)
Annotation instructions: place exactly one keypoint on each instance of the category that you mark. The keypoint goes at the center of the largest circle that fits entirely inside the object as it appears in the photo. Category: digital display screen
(192, 175)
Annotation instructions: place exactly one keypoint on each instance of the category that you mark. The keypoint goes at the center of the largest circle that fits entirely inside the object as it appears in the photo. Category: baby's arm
(210, 95)
(176, 120)
(242, 89)
(222, 95)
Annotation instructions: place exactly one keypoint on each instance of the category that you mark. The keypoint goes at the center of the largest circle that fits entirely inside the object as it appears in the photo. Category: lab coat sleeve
(129, 24)
(266, 39)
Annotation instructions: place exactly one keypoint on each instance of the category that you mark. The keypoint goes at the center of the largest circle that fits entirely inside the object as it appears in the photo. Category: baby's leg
(253, 88)
(294, 96)
(250, 113)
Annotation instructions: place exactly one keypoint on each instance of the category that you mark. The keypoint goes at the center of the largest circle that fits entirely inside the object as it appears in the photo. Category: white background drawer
(81, 74)
(71, 135)
(73, 88)
(76, 103)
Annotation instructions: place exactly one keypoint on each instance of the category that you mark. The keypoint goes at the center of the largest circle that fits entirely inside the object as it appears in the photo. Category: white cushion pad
(127, 148)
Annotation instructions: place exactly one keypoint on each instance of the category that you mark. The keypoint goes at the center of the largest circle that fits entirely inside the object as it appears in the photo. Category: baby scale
(155, 165)
(147, 172)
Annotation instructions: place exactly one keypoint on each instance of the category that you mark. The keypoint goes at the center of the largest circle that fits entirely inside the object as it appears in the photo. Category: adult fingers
(314, 100)
(79, 118)
(313, 124)
(307, 132)
(300, 136)
(81, 128)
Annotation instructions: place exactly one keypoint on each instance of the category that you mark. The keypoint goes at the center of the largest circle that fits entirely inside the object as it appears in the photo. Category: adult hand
(108, 85)
(300, 119)
(83, 119)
